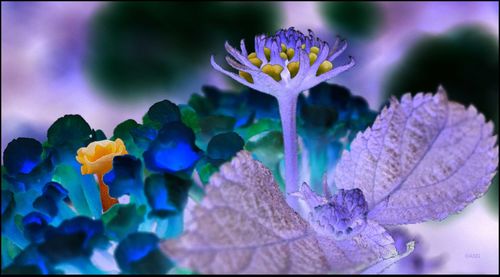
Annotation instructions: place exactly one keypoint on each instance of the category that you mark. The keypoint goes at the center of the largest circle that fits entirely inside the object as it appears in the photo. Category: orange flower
(97, 158)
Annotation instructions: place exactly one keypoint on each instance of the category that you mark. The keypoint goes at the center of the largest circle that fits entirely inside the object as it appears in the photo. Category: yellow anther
(247, 76)
(283, 47)
(252, 55)
(312, 58)
(324, 67)
(303, 46)
(267, 52)
(273, 70)
(293, 68)
(290, 53)
(283, 56)
(256, 61)
(314, 50)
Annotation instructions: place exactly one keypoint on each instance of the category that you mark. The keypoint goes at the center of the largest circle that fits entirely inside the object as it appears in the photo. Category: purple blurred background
(44, 44)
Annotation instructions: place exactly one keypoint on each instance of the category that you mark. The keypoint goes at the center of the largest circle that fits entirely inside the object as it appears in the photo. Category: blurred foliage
(22, 155)
(125, 176)
(353, 19)
(223, 147)
(417, 262)
(136, 48)
(140, 253)
(230, 121)
(463, 60)
(330, 118)
(48, 204)
(52, 218)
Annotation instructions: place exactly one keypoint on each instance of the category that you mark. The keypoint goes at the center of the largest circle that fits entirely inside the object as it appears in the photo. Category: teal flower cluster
(52, 216)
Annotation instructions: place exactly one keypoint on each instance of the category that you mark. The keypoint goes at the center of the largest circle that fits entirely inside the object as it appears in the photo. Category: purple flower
(284, 65)
(287, 62)
(340, 216)
(343, 216)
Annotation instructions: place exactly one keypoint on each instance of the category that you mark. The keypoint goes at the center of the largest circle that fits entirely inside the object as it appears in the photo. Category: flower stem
(288, 110)
(106, 200)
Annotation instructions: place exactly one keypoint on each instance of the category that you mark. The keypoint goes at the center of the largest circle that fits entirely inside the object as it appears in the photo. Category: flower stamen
(324, 67)
(312, 58)
(273, 70)
(290, 52)
(314, 50)
(283, 47)
(267, 53)
(293, 68)
(247, 76)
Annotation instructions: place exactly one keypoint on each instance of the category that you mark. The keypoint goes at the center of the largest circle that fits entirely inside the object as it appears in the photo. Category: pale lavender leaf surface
(244, 225)
(310, 197)
(423, 159)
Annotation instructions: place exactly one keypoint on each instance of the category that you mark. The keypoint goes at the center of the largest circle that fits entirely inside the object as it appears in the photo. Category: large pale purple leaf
(423, 159)
(244, 225)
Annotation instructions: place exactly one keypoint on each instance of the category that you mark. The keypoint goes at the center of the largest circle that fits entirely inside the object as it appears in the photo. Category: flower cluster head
(343, 216)
(97, 157)
(287, 62)
(340, 216)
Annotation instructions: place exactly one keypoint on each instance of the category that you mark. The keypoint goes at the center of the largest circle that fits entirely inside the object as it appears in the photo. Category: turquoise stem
(14, 234)
(318, 160)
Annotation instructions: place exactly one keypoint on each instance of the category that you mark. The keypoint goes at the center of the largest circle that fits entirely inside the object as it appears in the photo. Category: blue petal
(98, 135)
(36, 178)
(121, 220)
(123, 131)
(46, 205)
(221, 99)
(245, 120)
(13, 183)
(139, 253)
(244, 106)
(166, 194)
(317, 117)
(223, 147)
(74, 238)
(30, 260)
(143, 135)
(22, 155)
(329, 95)
(264, 105)
(35, 224)
(173, 150)
(161, 113)
(55, 191)
(125, 177)
(70, 131)
(212, 125)
(222, 103)
(8, 203)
